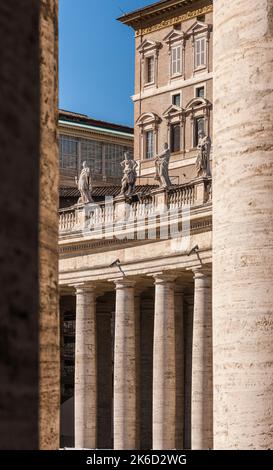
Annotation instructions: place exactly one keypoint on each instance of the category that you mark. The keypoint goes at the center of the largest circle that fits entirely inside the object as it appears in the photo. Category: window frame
(176, 93)
(177, 73)
(146, 69)
(198, 86)
(198, 39)
(146, 133)
(172, 147)
(195, 131)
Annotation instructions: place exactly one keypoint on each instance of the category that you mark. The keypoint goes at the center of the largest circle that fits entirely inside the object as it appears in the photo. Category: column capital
(82, 287)
(123, 283)
(162, 278)
(201, 272)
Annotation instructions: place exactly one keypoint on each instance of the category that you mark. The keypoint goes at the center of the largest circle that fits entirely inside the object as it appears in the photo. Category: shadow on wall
(67, 423)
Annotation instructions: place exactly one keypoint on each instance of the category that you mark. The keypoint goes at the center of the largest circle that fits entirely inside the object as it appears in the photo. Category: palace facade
(154, 366)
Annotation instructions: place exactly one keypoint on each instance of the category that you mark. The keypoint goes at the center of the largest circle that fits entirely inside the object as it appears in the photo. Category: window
(200, 52)
(176, 60)
(68, 147)
(175, 138)
(149, 144)
(200, 92)
(91, 152)
(114, 154)
(201, 18)
(199, 125)
(176, 99)
(150, 69)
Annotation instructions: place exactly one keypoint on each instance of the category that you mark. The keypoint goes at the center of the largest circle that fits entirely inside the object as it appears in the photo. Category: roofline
(84, 120)
(133, 18)
(95, 128)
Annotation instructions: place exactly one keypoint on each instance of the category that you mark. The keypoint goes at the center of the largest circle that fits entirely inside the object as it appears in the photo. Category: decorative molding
(180, 84)
(177, 19)
(148, 46)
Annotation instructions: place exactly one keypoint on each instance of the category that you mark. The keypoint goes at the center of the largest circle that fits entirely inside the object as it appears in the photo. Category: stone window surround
(197, 31)
(200, 85)
(174, 93)
(173, 39)
(175, 115)
(198, 107)
(147, 122)
(149, 48)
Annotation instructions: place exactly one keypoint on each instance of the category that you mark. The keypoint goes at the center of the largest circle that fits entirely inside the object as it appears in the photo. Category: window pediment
(149, 46)
(173, 111)
(198, 28)
(148, 118)
(198, 103)
(174, 36)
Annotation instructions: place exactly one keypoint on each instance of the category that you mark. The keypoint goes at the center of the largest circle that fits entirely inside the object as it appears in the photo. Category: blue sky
(97, 58)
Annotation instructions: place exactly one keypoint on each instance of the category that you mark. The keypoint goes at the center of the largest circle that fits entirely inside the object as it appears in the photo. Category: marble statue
(202, 162)
(162, 167)
(128, 181)
(84, 185)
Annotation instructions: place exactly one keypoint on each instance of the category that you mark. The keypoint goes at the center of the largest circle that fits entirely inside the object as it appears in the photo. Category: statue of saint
(202, 162)
(128, 181)
(162, 167)
(84, 185)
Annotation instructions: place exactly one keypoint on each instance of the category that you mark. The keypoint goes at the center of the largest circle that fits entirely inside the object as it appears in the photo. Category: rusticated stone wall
(28, 209)
(243, 214)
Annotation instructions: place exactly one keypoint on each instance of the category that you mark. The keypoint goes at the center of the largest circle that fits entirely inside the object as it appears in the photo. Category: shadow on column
(188, 330)
(146, 370)
(105, 331)
(67, 350)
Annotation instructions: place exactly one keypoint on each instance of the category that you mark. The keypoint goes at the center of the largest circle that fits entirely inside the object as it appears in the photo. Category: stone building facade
(173, 83)
(101, 144)
(156, 365)
(135, 272)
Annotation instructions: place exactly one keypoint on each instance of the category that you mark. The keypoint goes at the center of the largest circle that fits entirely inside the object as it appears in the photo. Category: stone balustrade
(119, 209)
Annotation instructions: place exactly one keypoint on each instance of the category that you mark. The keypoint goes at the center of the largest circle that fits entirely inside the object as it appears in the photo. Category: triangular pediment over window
(197, 28)
(174, 36)
(149, 45)
(172, 110)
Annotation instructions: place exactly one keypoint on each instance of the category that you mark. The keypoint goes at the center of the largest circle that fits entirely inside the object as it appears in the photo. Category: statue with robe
(84, 185)
(128, 181)
(202, 162)
(162, 167)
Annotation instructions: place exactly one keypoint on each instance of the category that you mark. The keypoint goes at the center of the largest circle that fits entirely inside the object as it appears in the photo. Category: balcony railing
(193, 194)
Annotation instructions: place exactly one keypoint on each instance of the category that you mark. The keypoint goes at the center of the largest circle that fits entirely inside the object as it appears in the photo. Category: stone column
(201, 407)
(29, 319)
(243, 214)
(85, 368)
(164, 364)
(179, 366)
(137, 352)
(125, 405)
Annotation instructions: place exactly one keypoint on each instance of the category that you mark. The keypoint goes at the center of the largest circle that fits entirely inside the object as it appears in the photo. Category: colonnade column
(179, 365)
(125, 368)
(164, 386)
(242, 224)
(85, 368)
(202, 400)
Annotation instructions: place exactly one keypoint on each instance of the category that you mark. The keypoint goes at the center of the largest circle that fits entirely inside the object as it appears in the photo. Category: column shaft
(125, 406)
(85, 369)
(202, 415)
(179, 367)
(164, 365)
(242, 224)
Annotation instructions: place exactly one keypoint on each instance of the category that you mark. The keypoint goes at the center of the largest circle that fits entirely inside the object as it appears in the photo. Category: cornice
(174, 20)
(95, 135)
